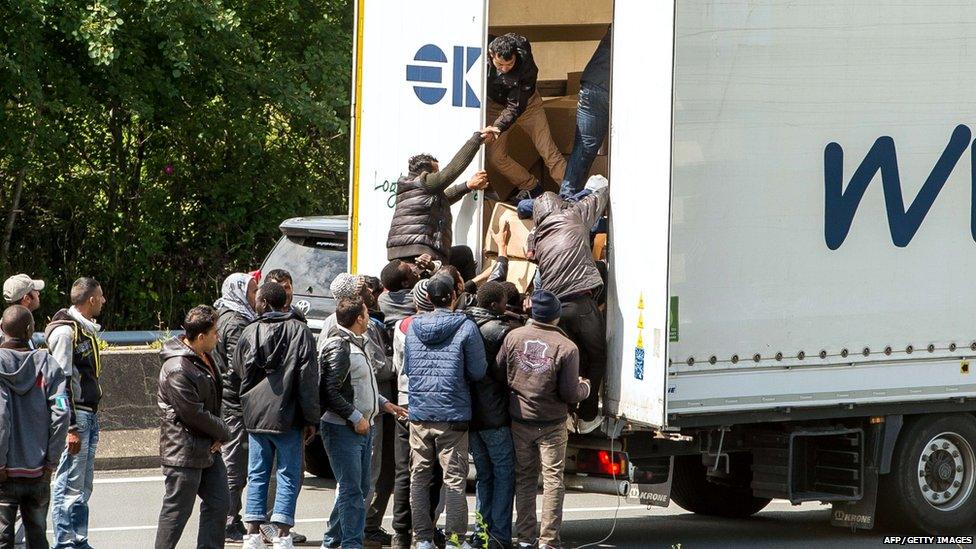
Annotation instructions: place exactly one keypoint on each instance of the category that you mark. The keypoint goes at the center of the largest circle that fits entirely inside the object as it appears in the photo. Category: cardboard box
(573, 82)
(520, 229)
(561, 113)
(521, 272)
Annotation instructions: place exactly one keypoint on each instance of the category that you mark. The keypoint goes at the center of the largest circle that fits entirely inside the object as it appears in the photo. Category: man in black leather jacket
(191, 433)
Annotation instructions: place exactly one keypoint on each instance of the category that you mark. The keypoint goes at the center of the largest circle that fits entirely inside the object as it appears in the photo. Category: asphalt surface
(125, 506)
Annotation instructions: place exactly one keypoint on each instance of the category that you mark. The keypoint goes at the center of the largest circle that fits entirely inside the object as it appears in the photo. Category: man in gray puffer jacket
(560, 245)
(33, 427)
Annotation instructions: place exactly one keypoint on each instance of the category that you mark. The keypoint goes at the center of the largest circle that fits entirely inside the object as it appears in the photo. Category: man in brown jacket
(543, 374)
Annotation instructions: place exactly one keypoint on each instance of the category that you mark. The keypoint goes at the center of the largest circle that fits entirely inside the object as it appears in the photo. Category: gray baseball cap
(17, 286)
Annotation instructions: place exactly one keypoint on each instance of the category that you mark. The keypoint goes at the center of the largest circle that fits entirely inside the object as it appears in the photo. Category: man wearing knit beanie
(543, 374)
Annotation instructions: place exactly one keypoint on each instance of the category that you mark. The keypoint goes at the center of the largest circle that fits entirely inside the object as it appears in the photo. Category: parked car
(314, 250)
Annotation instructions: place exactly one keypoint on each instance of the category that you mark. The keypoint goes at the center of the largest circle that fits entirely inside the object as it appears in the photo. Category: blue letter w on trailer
(840, 205)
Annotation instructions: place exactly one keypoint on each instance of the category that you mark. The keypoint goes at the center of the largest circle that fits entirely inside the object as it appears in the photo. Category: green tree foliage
(157, 144)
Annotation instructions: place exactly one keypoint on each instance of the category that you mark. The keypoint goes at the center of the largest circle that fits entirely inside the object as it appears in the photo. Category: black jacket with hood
(276, 362)
(560, 242)
(230, 326)
(489, 395)
(189, 407)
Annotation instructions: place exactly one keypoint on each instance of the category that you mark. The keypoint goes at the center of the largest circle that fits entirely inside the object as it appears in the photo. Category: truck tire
(930, 488)
(316, 460)
(693, 491)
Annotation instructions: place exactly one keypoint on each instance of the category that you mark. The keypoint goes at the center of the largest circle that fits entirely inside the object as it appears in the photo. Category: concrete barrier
(128, 418)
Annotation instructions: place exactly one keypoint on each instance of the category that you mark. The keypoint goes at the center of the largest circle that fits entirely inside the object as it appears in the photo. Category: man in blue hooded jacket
(443, 353)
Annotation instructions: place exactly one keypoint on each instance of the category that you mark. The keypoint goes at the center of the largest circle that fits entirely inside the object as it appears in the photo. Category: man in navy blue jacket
(443, 353)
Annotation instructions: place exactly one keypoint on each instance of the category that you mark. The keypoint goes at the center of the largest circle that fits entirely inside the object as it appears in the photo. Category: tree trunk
(8, 230)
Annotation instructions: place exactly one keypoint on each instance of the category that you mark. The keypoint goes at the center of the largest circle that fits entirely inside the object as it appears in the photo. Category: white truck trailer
(792, 228)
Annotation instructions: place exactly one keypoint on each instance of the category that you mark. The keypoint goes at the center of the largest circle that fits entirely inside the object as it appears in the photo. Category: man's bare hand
(478, 181)
(425, 262)
(74, 443)
(216, 446)
(398, 411)
(308, 433)
(362, 426)
(502, 237)
(490, 134)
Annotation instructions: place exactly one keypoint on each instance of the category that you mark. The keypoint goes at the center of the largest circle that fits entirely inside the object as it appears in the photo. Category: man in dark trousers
(422, 221)
(279, 397)
(514, 100)
(191, 434)
(235, 310)
(560, 245)
(490, 438)
(33, 426)
(72, 337)
(592, 118)
(543, 374)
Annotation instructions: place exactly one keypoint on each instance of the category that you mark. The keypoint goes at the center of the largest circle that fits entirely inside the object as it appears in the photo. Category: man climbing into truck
(560, 246)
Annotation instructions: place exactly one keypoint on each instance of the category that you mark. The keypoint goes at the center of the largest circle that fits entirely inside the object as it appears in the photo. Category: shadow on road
(768, 529)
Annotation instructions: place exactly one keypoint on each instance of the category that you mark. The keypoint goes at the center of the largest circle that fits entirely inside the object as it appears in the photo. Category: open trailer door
(640, 192)
(417, 88)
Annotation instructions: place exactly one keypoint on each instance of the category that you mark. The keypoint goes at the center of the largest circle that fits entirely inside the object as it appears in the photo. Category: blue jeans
(592, 123)
(494, 460)
(73, 486)
(263, 449)
(350, 455)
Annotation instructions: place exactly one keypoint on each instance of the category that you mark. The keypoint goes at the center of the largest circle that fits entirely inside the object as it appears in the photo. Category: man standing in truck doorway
(513, 99)
(592, 118)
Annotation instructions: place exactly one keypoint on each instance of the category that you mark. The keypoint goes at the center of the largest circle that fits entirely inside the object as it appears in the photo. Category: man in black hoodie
(490, 438)
(279, 397)
(191, 433)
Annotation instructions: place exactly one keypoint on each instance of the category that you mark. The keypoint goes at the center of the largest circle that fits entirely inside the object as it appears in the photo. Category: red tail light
(601, 462)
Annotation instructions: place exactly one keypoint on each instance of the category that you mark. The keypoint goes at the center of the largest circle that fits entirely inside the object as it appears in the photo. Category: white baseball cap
(17, 286)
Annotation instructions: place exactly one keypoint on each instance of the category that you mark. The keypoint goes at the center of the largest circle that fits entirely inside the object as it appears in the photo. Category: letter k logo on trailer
(462, 95)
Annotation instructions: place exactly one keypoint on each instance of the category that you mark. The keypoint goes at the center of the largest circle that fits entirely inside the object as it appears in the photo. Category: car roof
(323, 225)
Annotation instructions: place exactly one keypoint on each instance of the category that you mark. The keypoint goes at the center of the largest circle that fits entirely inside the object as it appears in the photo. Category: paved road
(125, 506)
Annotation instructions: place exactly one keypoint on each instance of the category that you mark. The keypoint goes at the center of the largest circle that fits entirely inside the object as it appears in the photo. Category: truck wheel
(693, 491)
(933, 473)
(316, 460)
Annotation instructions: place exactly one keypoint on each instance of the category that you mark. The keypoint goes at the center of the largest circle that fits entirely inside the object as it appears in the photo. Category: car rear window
(313, 262)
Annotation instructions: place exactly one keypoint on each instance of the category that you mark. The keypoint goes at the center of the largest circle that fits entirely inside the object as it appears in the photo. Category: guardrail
(125, 339)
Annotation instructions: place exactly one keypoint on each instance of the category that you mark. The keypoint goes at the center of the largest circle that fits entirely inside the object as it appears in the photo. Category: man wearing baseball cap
(23, 290)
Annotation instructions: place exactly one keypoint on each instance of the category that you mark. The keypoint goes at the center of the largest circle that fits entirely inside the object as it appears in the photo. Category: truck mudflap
(648, 487)
(858, 514)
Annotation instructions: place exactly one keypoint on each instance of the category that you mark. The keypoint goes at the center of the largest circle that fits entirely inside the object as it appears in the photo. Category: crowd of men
(415, 371)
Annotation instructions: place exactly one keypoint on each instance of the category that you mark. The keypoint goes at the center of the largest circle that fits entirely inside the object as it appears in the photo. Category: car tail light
(601, 462)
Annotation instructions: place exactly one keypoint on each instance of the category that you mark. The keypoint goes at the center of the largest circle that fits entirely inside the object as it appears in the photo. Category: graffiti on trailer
(390, 189)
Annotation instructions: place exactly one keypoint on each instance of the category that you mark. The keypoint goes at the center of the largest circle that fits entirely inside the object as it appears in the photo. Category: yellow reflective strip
(357, 129)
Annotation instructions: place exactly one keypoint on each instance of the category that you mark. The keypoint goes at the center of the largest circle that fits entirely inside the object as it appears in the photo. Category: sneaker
(283, 543)
(253, 541)
(298, 538)
(425, 545)
(377, 538)
(401, 540)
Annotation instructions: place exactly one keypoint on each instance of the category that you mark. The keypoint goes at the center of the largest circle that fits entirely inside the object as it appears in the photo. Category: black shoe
(298, 538)
(401, 540)
(440, 540)
(269, 531)
(377, 538)
(234, 533)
